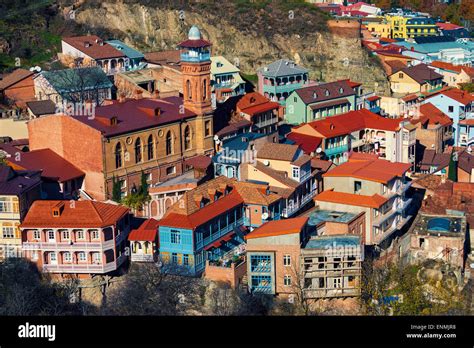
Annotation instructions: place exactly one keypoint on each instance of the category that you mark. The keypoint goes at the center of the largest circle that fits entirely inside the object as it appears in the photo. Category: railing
(68, 245)
(266, 289)
(261, 268)
(384, 217)
(404, 205)
(336, 149)
(195, 58)
(141, 257)
(403, 187)
(222, 232)
(80, 268)
(314, 292)
(305, 176)
(266, 122)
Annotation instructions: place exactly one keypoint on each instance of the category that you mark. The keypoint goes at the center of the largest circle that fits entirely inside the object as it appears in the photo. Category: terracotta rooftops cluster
(375, 201)
(213, 198)
(327, 91)
(94, 47)
(255, 103)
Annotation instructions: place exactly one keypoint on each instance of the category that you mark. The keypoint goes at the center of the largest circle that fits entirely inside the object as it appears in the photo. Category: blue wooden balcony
(218, 234)
(201, 57)
(267, 289)
(336, 150)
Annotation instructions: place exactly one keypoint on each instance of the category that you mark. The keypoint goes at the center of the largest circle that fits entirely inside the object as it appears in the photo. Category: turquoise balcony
(336, 150)
(193, 57)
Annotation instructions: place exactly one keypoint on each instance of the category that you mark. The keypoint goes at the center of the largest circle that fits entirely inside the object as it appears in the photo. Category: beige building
(415, 79)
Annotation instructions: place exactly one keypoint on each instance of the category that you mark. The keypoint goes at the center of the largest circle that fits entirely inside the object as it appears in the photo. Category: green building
(317, 102)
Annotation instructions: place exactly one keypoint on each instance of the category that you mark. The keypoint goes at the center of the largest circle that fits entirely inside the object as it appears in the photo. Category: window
(148, 177)
(422, 243)
(187, 138)
(174, 258)
(286, 260)
(65, 235)
(357, 186)
(169, 143)
(118, 155)
(51, 235)
(36, 235)
(67, 256)
(204, 89)
(400, 75)
(80, 234)
(81, 256)
(188, 89)
(52, 257)
(5, 206)
(451, 108)
(138, 150)
(8, 232)
(296, 172)
(175, 237)
(94, 234)
(287, 280)
(170, 170)
(207, 128)
(151, 147)
(186, 260)
(260, 263)
(96, 258)
(34, 255)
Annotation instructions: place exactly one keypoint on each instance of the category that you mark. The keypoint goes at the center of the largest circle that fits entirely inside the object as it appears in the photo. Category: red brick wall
(231, 275)
(75, 142)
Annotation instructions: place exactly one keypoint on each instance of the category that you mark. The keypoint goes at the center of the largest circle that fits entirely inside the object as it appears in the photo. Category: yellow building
(410, 27)
(18, 190)
(415, 79)
(379, 29)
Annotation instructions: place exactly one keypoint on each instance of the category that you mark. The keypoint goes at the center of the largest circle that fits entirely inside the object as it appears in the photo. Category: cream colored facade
(10, 235)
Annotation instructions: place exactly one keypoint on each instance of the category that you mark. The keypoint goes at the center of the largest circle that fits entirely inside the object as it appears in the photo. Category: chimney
(138, 94)
(156, 94)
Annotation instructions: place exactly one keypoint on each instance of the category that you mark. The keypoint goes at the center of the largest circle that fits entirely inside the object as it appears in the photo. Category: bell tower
(196, 72)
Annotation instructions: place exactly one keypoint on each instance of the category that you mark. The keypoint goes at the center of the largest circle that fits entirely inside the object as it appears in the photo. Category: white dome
(194, 33)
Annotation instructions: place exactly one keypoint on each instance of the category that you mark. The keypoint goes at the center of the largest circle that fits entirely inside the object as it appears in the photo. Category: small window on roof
(315, 95)
(341, 90)
(326, 92)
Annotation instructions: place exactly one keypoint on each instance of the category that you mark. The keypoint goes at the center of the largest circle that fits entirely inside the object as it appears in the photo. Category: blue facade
(261, 272)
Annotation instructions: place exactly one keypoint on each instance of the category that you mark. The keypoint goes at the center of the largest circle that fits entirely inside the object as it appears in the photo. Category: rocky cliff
(250, 34)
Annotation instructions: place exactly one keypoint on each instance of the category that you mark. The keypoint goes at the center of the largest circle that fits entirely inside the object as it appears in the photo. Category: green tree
(453, 168)
(116, 191)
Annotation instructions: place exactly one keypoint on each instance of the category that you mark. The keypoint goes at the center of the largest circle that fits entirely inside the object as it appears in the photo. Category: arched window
(204, 89)
(118, 156)
(188, 89)
(169, 143)
(151, 148)
(138, 150)
(187, 138)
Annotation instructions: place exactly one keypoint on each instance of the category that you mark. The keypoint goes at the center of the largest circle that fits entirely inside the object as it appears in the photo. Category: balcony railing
(141, 257)
(267, 289)
(336, 149)
(287, 212)
(195, 58)
(261, 268)
(404, 205)
(80, 268)
(220, 233)
(83, 246)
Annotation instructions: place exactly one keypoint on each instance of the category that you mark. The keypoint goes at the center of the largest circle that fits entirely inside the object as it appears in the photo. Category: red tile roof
(76, 214)
(377, 170)
(136, 114)
(255, 103)
(307, 143)
(448, 26)
(147, 231)
(278, 228)
(194, 43)
(199, 161)
(435, 115)
(351, 121)
(421, 73)
(373, 98)
(95, 50)
(460, 96)
(51, 164)
(374, 201)
(14, 77)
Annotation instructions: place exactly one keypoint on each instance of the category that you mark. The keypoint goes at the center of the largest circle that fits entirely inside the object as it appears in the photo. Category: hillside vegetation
(248, 33)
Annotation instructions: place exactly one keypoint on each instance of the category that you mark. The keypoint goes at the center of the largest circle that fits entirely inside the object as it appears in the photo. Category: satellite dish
(318, 150)
(218, 141)
(37, 68)
(216, 137)
(32, 69)
(265, 216)
(266, 162)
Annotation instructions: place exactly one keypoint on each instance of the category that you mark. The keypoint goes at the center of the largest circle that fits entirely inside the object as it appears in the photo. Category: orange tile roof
(278, 228)
(14, 77)
(377, 170)
(435, 115)
(97, 49)
(255, 103)
(460, 96)
(147, 231)
(77, 214)
(374, 201)
(351, 121)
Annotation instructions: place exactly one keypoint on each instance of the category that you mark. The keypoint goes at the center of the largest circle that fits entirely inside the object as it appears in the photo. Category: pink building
(76, 238)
